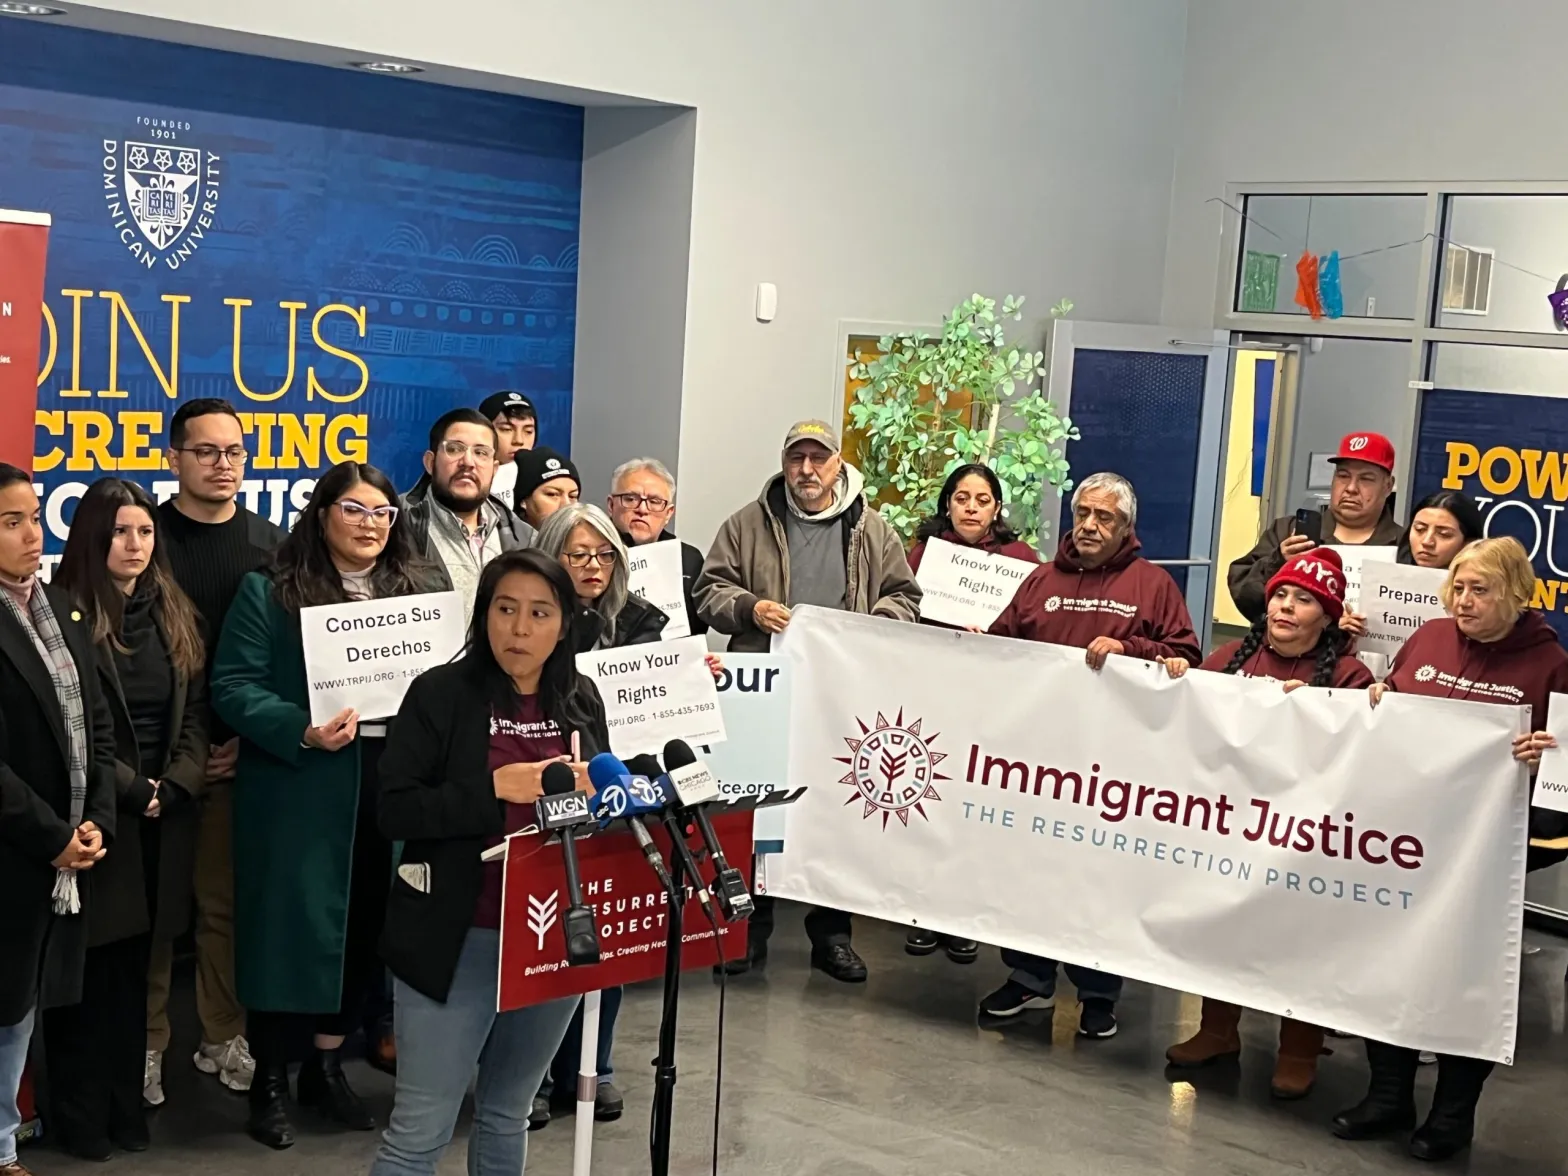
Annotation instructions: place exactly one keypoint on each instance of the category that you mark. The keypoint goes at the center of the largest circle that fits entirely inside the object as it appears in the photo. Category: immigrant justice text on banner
(1303, 854)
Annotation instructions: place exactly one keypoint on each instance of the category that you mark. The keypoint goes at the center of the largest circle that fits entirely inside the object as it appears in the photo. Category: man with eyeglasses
(642, 503)
(454, 520)
(811, 537)
(212, 543)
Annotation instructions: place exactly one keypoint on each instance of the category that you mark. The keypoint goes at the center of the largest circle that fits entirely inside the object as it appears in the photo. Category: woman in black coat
(149, 664)
(465, 760)
(57, 796)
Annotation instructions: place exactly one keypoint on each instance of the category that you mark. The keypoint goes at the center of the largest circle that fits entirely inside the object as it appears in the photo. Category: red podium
(630, 907)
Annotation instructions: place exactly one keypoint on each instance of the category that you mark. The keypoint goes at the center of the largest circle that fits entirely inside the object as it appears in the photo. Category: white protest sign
(1551, 782)
(1397, 600)
(363, 654)
(655, 693)
(1353, 558)
(967, 586)
(654, 574)
(754, 698)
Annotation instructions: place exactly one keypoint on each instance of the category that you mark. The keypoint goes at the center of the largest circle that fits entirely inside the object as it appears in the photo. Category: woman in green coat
(311, 871)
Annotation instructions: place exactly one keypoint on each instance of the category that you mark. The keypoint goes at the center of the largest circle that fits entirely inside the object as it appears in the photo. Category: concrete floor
(894, 1077)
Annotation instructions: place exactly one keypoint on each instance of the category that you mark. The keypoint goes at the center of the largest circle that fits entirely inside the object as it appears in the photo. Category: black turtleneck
(147, 681)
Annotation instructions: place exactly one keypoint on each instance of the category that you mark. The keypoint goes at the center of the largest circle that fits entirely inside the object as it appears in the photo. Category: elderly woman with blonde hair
(1492, 647)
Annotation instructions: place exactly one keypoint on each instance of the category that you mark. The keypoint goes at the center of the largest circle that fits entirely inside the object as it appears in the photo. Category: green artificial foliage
(916, 424)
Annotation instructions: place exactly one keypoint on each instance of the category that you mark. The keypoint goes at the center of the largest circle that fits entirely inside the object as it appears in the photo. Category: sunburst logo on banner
(892, 768)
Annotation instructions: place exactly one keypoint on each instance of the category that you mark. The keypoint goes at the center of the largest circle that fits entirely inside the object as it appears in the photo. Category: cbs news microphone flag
(1301, 854)
(24, 245)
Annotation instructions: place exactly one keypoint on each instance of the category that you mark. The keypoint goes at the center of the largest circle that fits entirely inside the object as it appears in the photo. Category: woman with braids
(1298, 642)
(311, 868)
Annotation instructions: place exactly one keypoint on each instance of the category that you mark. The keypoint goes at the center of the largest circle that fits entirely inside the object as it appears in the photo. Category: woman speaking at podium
(464, 763)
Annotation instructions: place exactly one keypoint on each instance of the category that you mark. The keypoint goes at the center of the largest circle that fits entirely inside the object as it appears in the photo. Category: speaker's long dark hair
(84, 573)
(1331, 646)
(303, 573)
(940, 522)
(564, 695)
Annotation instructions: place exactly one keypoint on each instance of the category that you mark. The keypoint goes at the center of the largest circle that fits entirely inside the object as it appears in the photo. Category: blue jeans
(1038, 975)
(439, 1047)
(13, 1060)
(564, 1069)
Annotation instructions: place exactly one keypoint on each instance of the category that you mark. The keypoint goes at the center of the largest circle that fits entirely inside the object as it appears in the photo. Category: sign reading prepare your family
(655, 693)
(1397, 600)
(654, 573)
(363, 654)
(967, 586)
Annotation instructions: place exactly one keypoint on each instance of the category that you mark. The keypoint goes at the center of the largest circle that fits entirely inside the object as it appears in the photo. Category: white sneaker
(152, 1079)
(231, 1062)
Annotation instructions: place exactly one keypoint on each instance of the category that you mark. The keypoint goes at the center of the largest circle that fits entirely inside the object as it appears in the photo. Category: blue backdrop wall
(342, 255)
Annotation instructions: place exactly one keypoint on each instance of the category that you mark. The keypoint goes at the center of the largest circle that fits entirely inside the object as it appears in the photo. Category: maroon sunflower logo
(892, 768)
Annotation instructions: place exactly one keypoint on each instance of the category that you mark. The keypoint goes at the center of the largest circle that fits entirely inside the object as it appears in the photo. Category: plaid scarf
(40, 624)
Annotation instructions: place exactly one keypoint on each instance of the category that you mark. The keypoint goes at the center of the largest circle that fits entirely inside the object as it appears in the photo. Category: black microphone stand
(664, 1063)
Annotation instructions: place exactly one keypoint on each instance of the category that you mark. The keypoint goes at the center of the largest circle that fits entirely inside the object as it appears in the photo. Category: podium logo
(892, 769)
(161, 192)
(542, 915)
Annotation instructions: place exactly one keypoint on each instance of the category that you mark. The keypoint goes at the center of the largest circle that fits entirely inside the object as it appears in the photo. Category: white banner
(1303, 854)
(1354, 558)
(1551, 782)
(754, 692)
(967, 586)
(364, 653)
(654, 573)
(655, 693)
(1397, 599)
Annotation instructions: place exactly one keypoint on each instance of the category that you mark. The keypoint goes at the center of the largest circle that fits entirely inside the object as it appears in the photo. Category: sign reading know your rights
(655, 693)
(1212, 834)
(654, 573)
(363, 654)
(1397, 599)
(967, 586)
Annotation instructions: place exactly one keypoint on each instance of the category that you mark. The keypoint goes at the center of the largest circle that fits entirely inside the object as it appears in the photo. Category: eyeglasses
(356, 514)
(208, 455)
(633, 501)
(457, 450)
(580, 559)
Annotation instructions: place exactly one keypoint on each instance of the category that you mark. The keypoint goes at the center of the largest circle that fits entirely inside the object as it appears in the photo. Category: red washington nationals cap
(1372, 448)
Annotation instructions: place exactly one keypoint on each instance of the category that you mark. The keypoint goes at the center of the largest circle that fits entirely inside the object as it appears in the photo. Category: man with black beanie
(517, 430)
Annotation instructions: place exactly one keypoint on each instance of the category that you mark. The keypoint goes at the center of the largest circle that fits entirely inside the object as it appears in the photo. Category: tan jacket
(749, 561)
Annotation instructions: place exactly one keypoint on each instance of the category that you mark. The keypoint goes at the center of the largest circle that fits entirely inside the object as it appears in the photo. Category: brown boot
(1216, 1037)
(1296, 1068)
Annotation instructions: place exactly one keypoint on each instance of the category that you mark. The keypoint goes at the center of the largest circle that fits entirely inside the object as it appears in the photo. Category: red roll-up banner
(24, 248)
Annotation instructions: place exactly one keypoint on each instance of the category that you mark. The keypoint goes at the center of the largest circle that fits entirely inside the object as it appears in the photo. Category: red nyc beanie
(1319, 572)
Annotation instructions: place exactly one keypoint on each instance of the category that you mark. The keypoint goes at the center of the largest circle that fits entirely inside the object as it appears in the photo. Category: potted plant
(929, 405)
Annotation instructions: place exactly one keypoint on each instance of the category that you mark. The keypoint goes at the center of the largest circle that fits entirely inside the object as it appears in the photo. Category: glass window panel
(1509, 252)
(1379, 243)
(1525, 371)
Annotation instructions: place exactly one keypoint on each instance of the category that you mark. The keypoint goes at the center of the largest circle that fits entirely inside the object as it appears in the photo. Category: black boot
(1448, 1129)
(269, 1114)
(1390, 1104)
(323, 1085)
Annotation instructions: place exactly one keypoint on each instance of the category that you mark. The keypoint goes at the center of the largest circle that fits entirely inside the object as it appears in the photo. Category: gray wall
(878, 161)
(631, 289)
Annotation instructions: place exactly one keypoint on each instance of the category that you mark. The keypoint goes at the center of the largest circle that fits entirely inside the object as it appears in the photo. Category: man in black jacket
(642, 503)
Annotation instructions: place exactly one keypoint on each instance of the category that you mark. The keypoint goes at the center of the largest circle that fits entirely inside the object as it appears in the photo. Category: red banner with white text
(631, 913)
(24, 246)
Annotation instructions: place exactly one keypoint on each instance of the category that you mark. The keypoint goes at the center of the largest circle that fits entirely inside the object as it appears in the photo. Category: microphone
(694, 787)
(649, 764)
(618, 793)
(562, 808)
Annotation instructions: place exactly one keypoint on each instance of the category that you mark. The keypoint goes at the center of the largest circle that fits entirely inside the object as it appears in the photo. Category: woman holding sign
(1492, 647)
(150, 660)
(1298, 642)
(968, 514)
(466, 760)
(311, 869)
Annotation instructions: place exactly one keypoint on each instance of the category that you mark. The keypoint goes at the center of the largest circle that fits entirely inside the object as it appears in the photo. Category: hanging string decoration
(1307, 284)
